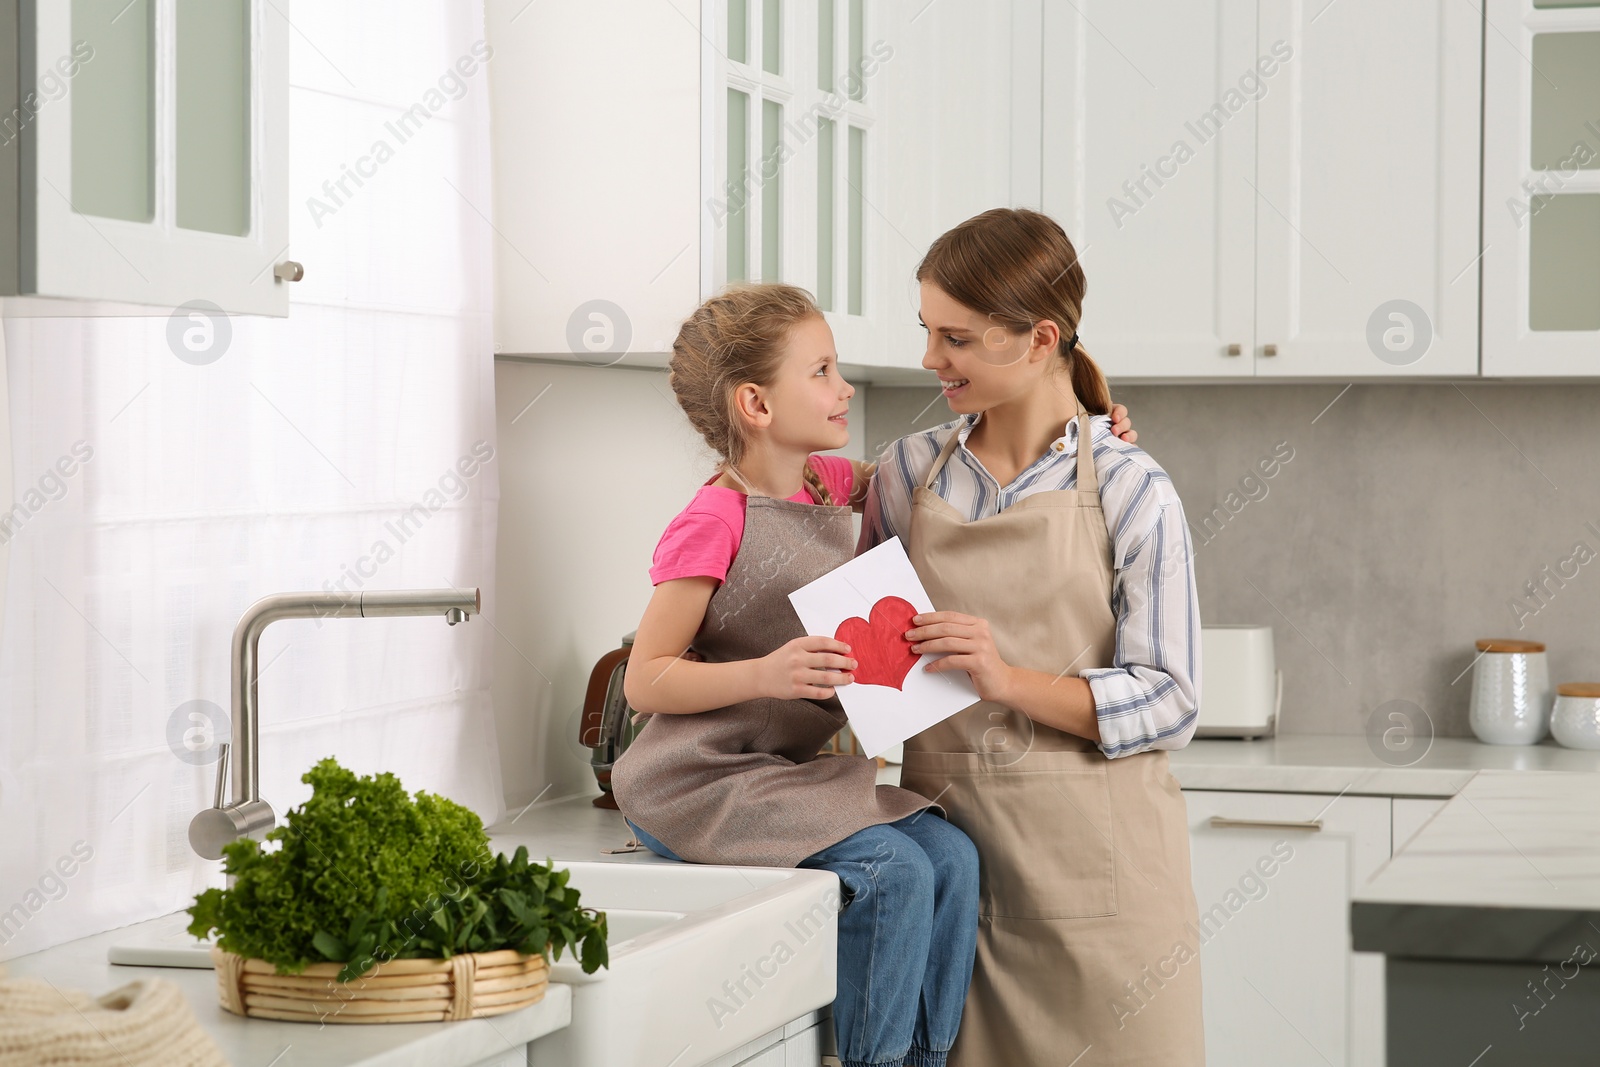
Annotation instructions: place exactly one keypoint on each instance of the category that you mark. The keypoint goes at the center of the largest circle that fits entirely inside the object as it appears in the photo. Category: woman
(1059, 561)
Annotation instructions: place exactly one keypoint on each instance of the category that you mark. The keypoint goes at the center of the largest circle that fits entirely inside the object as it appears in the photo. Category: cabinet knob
(1269, 350)
(1235, 348)
(289, 271)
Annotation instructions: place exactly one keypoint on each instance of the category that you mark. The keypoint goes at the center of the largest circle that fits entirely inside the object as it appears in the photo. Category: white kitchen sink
(703, 960)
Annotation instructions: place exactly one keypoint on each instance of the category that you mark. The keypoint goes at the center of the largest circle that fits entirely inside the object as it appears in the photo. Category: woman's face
(809, 398)
(980, 364)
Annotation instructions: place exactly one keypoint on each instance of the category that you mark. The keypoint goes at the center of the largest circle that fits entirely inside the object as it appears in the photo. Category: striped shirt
(1149, 696)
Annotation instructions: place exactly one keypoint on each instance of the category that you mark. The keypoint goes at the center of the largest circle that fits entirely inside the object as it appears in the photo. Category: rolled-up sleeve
(1149, 698)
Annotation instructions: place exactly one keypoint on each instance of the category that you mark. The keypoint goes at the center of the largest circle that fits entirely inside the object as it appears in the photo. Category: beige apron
(744, 784)
(1085, 952)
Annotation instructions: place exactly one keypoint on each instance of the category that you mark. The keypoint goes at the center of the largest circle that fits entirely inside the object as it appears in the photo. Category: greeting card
(868, 603)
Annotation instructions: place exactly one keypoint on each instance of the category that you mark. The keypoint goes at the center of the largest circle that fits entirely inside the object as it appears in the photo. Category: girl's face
(979, 363)
(809, 397)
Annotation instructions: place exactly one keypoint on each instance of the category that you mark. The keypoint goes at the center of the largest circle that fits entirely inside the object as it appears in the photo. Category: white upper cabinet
(797, 93)
(1147, 163)
(1277, 192)
(144, 155)
(949, 135)
(860, 130)
(1541, 202)
(823, 143)
(595, 128)
(1257, 190)
(1366, 196)
(718, 142)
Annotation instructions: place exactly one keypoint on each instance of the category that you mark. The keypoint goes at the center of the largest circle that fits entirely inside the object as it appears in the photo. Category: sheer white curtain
(349, 446)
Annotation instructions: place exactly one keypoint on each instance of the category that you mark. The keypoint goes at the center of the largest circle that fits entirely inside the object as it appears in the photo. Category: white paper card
(863, 590)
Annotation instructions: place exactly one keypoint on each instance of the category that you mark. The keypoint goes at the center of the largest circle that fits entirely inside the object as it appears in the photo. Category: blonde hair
(1018, 267)
(736, 337)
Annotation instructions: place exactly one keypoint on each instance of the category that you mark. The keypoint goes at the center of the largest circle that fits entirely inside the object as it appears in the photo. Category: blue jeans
(907, 935)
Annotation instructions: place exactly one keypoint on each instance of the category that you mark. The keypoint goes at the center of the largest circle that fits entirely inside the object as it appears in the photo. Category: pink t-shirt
(704, 538)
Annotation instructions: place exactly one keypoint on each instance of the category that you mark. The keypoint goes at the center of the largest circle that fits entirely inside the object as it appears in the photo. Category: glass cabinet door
(212, 98)
(152, 156)
(1541, 225)
(794, 164)
(113, 110)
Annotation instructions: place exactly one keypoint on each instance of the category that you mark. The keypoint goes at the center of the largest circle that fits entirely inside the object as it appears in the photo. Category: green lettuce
(365, 873)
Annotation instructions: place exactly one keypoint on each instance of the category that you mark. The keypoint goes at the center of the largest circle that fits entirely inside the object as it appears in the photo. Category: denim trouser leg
(907, 935)
(954, 937)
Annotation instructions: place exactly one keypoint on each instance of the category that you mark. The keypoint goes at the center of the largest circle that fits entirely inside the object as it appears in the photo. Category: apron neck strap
(1088, 480)
(944, 455)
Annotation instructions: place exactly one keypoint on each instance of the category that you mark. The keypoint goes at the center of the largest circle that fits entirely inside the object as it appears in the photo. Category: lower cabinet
(1273, 876)
(803, 1049)
(799, 1043)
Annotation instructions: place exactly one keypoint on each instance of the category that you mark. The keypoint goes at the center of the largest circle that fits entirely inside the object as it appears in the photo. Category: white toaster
(1240, 685)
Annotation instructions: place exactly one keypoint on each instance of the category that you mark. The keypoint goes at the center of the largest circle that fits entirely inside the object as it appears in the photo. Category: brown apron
(1085, 890)
(744, 784)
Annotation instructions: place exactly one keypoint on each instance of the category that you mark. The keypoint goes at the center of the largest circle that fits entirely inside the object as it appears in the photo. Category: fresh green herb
(364, 873)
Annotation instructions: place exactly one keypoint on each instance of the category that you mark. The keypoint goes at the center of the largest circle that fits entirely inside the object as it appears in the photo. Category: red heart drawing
(880, 646)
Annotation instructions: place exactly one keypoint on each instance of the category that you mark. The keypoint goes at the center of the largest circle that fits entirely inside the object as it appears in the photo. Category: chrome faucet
(249, 815)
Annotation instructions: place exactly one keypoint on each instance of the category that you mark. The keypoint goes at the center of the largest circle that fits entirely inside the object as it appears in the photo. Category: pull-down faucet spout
(249, 815)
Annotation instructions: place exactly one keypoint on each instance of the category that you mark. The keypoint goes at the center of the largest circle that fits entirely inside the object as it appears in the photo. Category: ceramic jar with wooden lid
(1576, 719)
(1510, 702)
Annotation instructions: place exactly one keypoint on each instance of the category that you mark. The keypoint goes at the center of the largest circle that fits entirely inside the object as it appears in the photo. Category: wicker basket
(465, 986)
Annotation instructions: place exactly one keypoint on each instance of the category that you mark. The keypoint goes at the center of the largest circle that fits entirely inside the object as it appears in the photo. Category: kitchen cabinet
(1273, 877)
(804, 1049)
(1367, 173)
(798, 145)
(144, 156)
(736, 140)
(958, 105)
(800, 1043)
(1166, 245)
(595, 134)
(1541, 195)
(1268, 191)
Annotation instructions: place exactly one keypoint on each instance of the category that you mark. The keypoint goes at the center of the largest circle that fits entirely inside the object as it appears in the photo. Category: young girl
(726, 767)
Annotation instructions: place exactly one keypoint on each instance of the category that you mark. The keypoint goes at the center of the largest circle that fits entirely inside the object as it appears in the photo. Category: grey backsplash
(1410, 521)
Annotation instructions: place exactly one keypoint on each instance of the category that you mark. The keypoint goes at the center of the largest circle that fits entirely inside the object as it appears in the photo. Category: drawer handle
(1268, 824)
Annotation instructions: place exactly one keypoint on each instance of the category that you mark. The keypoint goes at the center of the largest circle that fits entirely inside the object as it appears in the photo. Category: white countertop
(245, 1042)
(1333, 763)
(1508, 870)
(1336, 763)
(571, 828)
(1508, 840)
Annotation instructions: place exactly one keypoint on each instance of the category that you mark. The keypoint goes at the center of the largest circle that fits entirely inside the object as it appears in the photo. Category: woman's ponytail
(1088, 383)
